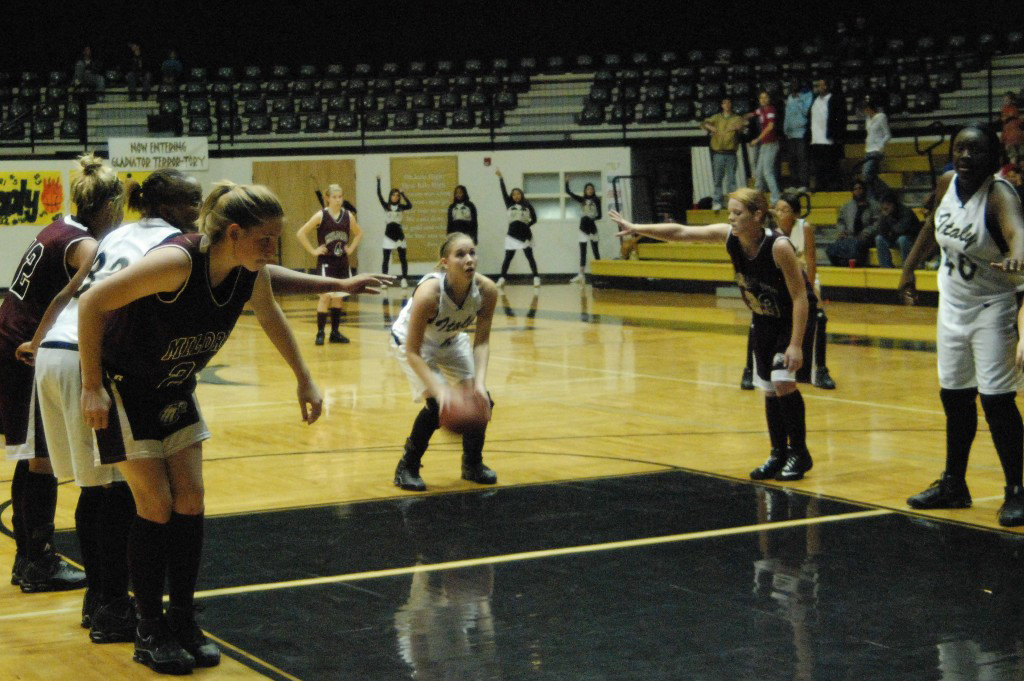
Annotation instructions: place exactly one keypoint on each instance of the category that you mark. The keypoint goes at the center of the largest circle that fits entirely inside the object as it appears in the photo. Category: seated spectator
(88, 72)
(897, 228)
(858, 225)
(171, 67)
(136, 75)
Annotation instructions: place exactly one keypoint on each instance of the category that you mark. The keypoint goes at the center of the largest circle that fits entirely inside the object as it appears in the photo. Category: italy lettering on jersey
(116, 250)
(451, 319)
(461, 213)
(965, 276)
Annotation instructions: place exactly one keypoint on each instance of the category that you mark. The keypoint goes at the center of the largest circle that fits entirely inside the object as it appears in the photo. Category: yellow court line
(250, 656)
(544, 553)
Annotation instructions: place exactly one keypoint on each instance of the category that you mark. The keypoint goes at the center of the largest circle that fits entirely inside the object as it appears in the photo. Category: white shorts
(453, 361)
(390, 244)
(977, 346)
(71, 442)
(512, 244)
(587, 238)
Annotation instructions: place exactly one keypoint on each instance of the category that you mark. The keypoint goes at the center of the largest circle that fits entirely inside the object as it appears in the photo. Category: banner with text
(33, 199)
(149, 153)
(428, 181)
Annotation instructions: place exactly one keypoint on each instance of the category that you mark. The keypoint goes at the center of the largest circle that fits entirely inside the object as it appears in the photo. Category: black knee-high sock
(40, 505)
(528, 252)
(184, 554)
(147, 562)
(583, 255)
(88, 515)
(1007, 433)
(750, 348)
(792, 408)
(596, 250)
(386, 262)
(404, 262)
(506, 262)
(776, 424)
(427, 421)
(321, 321)
(118, 517)
(961, 427)
(820, 339)
(473, 443)
(335, 319)
(17, 506)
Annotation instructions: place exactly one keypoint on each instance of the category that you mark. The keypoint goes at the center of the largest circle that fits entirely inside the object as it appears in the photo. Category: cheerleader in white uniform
(980, 230)
(394, 235)
(431, 344)
(521, 217)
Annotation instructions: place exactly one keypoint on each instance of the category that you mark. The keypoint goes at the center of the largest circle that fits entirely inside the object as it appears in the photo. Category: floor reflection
(446, 628)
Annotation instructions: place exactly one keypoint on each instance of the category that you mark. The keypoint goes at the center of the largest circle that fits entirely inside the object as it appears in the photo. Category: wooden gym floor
(624, 539)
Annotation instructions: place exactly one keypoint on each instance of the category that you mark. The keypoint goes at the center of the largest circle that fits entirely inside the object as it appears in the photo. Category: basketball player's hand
(321, 250)
(311, 402)
(1012, 265)
(793, 358)
(26, 353)
(95, 406)
(480, 393)
(626, 227)
(367, 283)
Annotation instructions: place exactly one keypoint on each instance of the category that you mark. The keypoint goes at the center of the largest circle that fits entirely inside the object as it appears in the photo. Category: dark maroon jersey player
(337, 237)
(49, 273)
(165, 339)
(335, 234)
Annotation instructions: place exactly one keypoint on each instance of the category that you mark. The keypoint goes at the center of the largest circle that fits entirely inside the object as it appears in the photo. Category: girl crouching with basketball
(776, 290)
(430, 342)
(157, 323)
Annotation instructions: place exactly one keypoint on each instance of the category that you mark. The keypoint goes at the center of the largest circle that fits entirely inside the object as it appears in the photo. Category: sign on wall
(31, 198)
(149, 153)
(428, 181)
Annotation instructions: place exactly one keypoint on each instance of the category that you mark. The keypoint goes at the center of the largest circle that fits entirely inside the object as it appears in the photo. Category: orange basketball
(465, 411)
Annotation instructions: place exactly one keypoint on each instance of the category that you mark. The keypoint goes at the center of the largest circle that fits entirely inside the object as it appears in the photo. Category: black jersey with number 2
(761, 281)
(165, 339)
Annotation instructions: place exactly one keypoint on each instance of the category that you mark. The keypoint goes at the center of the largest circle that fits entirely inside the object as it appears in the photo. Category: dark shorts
(588, 226)
(19, 410)
(144, 423)
(393, 231)
(771, 338)
(333, 267)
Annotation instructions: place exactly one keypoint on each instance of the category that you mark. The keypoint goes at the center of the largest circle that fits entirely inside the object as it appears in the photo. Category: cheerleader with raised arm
(590, 209)
(394, 235)
(521, 217)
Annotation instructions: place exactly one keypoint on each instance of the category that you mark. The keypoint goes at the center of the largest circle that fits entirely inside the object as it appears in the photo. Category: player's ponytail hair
(245, 205)
(94, 186)
(755, 201)
(165, 187)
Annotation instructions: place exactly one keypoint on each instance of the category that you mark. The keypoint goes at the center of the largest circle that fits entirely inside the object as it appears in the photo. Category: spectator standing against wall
(1012, 135)
(798, 108)
(827, 131)
(724, 128)
(876, 127)
(765, 170)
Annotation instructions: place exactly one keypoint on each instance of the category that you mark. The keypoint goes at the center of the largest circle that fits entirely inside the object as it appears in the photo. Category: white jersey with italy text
(451, 319)
(966, 278)
(123, 246)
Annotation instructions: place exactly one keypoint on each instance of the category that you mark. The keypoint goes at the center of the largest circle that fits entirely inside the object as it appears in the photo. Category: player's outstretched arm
(272, 320)
(284, 280)
(671, 231)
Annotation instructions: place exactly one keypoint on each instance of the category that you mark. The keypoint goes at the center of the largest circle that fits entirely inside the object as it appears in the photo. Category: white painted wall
(555, 243)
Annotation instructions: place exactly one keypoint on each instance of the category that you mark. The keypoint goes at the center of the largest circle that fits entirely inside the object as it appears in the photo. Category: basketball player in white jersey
(980, 230)
(431, 344)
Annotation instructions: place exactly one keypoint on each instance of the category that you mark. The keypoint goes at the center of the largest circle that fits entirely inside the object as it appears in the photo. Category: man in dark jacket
(826, 135)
